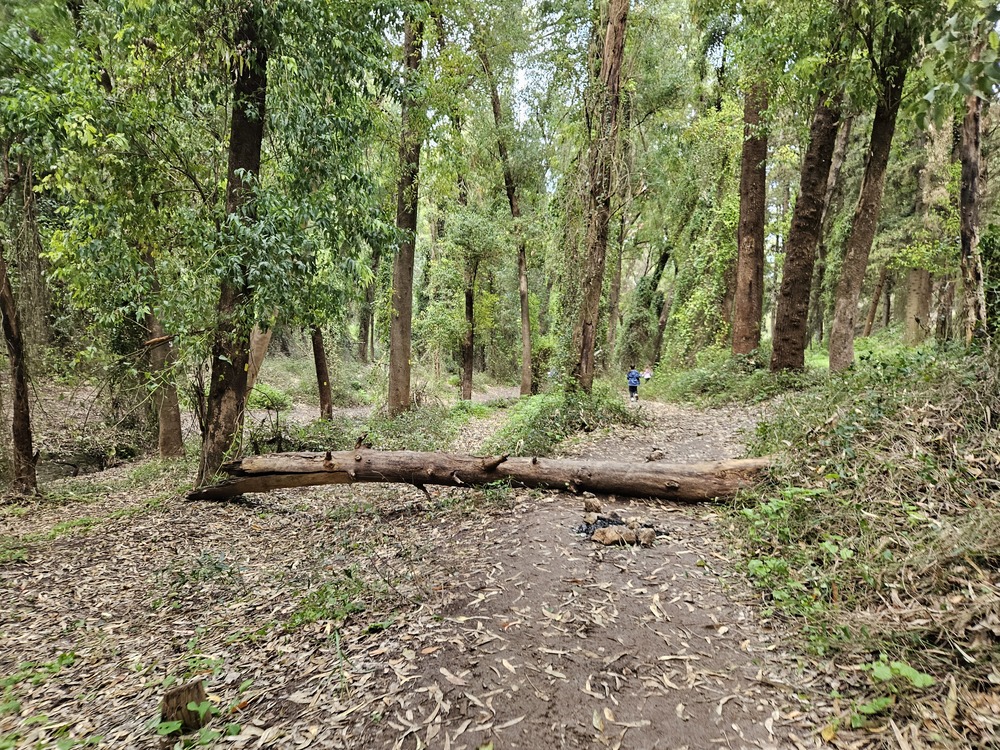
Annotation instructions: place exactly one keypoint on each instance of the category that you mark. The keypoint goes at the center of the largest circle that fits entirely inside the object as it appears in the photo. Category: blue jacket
(633, 377)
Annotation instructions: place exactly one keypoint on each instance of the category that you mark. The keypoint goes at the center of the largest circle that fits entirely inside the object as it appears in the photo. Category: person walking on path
(647, 373)
(633, 383)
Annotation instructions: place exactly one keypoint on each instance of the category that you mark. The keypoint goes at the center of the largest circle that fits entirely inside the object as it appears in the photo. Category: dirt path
(383, 617)
(549, 640)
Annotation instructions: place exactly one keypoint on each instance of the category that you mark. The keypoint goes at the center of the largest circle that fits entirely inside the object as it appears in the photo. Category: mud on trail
(385, 617)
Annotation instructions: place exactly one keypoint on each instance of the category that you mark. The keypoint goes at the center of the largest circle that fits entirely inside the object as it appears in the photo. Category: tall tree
(974, 300)
(748, 301)
(602, 150)
(230, 349)
(24, 479)
(410, 142)
(790, 331)
(890, 68)
(511, 188)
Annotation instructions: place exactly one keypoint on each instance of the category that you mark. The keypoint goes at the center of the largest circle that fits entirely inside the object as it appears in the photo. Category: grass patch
(880, 531)
(537, 424)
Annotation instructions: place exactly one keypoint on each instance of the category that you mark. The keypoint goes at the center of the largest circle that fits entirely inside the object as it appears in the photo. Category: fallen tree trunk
(681, 482)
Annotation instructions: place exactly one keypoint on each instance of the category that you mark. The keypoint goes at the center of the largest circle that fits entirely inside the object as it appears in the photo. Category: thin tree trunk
(866, 213)
(876, 295)
(170, 440)
(510, 186)
(410, 141)
(469, 340)
(322, 373)
(748, 303)
(32, 291)
(24, 480)
(230, 356)
(946, 301)
(791, 317)
(366, 323)
(614, 294)
(599, 199)
(974, 295)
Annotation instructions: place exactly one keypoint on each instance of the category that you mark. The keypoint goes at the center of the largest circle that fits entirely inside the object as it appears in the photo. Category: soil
(385, 617)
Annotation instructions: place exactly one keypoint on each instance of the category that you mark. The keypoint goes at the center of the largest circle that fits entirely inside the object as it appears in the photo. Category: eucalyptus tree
(889, 33)
(410, 142)
(607, 91)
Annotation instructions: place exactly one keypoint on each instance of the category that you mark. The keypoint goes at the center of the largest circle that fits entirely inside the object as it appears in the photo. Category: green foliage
(719, 377)
(538, 423)
(334, 600)
(264, 396)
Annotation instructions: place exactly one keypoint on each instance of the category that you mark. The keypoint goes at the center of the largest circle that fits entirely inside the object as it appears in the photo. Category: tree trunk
(873, 308)
(469, 340)
(24, 480)
(680, 482)
(974, 295)
(322, 373)
(946, 301)
(817, 308)
(602, 150)
(230, 356)
(366, 322)
(510, 186)
(918, 306)
(260, 340)
(791, 317)
(748, 303)
(32, 291)
(401, 319)
(170, 441)
(866, 213)
(614, 294)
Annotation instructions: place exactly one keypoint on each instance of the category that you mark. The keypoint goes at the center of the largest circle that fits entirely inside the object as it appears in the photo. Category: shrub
(264, 396)
(538, 423)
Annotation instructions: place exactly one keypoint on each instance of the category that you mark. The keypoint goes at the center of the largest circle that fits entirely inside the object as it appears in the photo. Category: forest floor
(381, 616)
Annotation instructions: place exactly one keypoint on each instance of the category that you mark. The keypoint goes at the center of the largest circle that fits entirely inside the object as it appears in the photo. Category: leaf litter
(382, 616)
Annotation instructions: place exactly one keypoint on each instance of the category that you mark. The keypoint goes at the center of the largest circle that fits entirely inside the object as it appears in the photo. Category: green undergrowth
(537, 424)
(720, 377)
(879, 531)
(428, 428)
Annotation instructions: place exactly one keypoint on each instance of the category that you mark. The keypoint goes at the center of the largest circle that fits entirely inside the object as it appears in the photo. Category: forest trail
(549, 640)
(381, 616)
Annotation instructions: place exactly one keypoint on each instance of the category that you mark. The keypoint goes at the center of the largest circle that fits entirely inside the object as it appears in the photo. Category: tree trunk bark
(817, 313)
(24, 480)
(322, 373)
(259, 342)
(32, 291)
(974, 295)
(469, 340)
(614, 294)
(791, 317)
(230, 356)
(748, 303)
(410, 141)
(918, 306)
(946, 301)
(510, 186)
(679, 482)
(876, 295)
(602, 151)
(366, 322)
(866, 213)
(170, 441)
